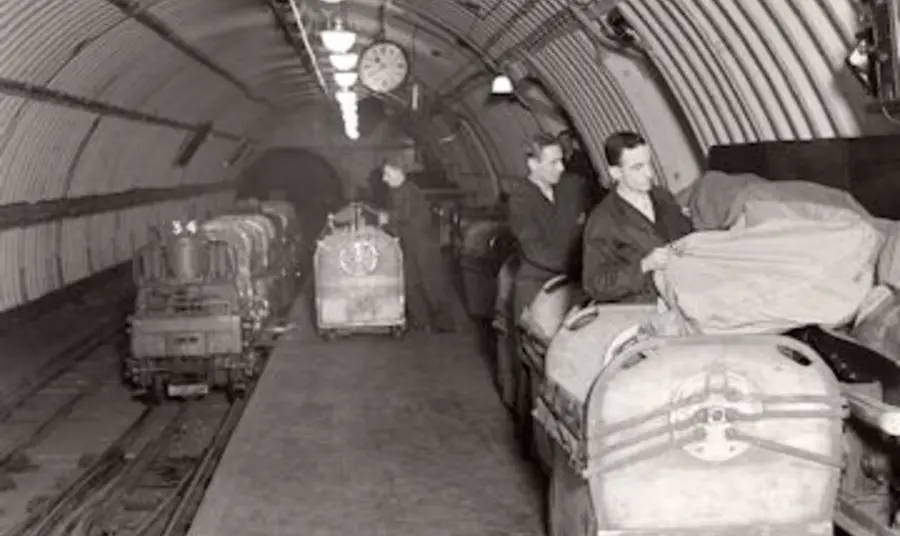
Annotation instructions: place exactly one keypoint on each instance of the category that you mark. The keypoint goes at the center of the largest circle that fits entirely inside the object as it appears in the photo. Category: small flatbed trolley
(359, 279)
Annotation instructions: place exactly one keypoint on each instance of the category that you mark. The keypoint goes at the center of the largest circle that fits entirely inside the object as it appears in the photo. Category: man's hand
(383, 218)
(656, 260)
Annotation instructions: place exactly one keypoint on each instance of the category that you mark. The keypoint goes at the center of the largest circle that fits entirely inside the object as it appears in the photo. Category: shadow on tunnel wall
(299, 176)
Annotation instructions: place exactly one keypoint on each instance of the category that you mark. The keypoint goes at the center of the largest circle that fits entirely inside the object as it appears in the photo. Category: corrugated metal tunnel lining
(99, 97)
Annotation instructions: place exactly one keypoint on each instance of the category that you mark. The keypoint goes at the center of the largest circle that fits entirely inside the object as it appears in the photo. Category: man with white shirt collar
(627, 235)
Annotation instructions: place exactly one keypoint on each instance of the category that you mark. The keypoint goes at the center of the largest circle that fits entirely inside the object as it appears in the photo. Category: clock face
(383, 67)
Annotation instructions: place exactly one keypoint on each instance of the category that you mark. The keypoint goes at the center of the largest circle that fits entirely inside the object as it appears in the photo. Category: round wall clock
(383, 66)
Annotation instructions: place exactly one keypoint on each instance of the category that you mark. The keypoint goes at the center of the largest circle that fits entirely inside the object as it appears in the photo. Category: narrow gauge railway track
(108, 332)
(34, 418)
(158, 490)
(151, 480)
(39, 445)
(147, 428)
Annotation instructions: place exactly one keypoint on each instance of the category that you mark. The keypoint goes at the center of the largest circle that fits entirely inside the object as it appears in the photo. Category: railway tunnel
(119, 116)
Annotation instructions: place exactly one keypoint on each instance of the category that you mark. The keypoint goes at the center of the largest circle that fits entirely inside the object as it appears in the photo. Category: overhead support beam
(18, 215)
(15, 88)
(289, 35)
(134, 10)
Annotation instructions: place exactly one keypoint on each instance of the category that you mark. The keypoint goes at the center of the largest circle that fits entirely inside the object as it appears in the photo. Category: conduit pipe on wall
(306, 44)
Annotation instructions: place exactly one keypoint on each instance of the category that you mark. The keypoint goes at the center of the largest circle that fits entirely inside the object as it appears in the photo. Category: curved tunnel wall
(743, 71)
(99, 97)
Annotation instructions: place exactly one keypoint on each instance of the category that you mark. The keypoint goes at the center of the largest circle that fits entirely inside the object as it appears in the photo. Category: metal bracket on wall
(19, 215)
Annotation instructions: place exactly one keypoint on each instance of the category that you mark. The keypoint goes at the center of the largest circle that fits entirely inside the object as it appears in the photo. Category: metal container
(187, 257)
(755, 432)
(359, 279)
(706, 435)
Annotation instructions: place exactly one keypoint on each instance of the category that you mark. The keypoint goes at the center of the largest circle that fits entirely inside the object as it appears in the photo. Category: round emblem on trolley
(709, 405)
(358, 258)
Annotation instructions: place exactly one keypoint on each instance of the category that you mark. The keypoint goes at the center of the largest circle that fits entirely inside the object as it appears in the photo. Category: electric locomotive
(207, 294)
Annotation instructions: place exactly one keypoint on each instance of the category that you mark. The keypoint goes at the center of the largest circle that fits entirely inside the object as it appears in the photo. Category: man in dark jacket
(427, 280)
(546, 214)
(627, 235)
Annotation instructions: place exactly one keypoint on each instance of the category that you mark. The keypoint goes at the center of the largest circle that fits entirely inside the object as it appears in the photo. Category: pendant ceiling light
(501, 85)
(345, 80)
(344, 62)
(338, 40)
(346, 96)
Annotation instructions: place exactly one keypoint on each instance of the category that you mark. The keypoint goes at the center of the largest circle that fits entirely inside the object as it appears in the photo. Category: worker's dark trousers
(428, 286)
(512, 375)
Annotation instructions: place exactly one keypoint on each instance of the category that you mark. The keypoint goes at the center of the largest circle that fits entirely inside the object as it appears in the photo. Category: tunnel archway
(300, 176)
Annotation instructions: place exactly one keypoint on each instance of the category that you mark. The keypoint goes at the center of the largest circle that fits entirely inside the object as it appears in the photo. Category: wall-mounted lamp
(344, 62)
(501, 85)
(338, 40)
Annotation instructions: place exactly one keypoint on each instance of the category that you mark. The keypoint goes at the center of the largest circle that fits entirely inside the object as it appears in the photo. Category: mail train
(207, 291)
(359, 278)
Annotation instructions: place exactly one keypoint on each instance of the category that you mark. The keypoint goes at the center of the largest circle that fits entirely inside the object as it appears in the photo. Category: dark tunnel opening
(299, 176)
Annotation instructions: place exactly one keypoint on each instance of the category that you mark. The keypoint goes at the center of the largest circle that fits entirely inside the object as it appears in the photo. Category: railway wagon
(773, 434)
(359, 278)
(207, 295)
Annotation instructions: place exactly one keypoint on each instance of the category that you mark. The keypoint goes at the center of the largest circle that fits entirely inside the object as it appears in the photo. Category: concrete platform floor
(372, 436)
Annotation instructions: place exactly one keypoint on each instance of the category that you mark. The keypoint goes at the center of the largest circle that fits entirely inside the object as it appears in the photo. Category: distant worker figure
(428, 282)
(577, 162)
(377, 190)
(627, 235)
(546, 215)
